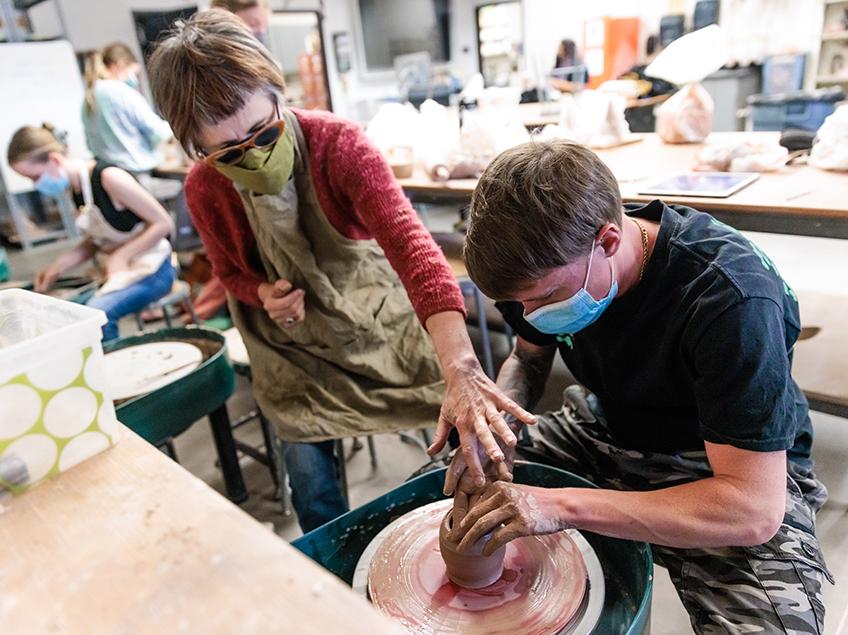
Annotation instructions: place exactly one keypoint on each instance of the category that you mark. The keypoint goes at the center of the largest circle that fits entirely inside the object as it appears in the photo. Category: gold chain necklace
(644, 248)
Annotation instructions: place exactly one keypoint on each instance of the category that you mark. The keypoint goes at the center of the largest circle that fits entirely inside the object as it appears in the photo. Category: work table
(129, 542)
(796, 199)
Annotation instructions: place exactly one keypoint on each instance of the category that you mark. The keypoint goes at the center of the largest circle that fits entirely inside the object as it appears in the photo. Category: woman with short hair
(330, 273)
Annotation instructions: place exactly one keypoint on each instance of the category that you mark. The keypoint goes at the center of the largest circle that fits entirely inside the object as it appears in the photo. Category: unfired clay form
(540, 591)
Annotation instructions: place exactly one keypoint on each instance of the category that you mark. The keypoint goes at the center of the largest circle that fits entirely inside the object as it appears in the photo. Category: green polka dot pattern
(53, 417)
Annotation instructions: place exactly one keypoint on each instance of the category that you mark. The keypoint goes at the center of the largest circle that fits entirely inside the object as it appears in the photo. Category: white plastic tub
(55, 410)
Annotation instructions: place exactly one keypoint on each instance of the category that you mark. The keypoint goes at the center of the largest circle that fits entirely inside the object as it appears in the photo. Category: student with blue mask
(120, 126)
(125, 229)
(679, 332)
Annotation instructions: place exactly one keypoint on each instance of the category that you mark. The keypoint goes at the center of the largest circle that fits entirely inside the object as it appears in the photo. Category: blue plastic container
(803, 110)
(628, 566)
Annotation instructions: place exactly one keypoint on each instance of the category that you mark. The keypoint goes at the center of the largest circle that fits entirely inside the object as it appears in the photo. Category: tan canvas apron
(91, 223)
(360, 362)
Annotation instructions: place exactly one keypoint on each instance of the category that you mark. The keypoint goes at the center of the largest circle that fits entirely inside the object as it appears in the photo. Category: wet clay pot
(471, 569)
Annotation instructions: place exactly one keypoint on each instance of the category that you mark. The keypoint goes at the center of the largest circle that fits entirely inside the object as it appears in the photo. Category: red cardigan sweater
(358, 193)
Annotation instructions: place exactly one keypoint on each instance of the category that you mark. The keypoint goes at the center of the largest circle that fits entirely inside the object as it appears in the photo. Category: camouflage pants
(771, 588)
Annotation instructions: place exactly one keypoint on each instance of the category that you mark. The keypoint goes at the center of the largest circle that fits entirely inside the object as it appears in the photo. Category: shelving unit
(832, 63)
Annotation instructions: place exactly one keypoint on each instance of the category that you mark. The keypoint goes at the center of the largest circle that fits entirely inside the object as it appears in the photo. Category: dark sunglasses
(262, 138)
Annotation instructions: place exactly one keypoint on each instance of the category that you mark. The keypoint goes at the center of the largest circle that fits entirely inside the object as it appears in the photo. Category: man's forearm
(713, 512)
(522, 377)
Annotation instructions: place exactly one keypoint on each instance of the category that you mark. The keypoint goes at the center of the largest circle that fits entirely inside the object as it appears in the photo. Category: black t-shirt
(121, 219)
(700, 350)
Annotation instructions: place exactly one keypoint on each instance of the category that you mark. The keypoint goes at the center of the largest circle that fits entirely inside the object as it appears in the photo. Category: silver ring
(289, 321)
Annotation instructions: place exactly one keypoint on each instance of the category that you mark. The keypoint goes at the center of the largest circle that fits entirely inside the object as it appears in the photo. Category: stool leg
(339, 444)
(276, 463)
(488, 364)
(372, 450)
(222, 434)
(168, 448)
(139, 321)
(190, 306)
(166, 315)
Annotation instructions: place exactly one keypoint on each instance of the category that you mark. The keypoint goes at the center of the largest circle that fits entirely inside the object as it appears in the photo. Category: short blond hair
(206, 70)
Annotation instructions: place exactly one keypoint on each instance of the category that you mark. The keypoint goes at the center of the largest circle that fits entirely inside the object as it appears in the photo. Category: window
(391, 28)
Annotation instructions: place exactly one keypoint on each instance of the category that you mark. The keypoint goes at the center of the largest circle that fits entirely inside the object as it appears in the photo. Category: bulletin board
(39, 82)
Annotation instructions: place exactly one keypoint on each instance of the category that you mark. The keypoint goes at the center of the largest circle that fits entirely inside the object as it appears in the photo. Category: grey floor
(396, 460)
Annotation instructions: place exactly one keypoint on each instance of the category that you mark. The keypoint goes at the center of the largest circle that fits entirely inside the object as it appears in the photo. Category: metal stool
(340, 455)
(180, 293)
(272, 458)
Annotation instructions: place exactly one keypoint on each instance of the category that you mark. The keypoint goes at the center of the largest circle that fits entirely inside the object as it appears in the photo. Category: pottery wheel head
(542, 590)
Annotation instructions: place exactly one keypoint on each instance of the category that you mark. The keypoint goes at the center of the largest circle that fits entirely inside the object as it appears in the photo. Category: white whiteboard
(39, 81)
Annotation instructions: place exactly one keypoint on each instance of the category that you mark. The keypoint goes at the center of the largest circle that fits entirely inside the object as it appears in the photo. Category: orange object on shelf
(610, 47)
(311, 70)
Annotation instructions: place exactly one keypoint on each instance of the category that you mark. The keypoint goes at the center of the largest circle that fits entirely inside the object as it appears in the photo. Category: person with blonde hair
(334, 283)
(124, 226)
(120, 126)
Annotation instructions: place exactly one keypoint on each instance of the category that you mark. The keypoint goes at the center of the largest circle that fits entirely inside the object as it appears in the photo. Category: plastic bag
(394, 125)
(741, 156)
(687, 116)
(830, 150)
(692, 57)
(592, 118)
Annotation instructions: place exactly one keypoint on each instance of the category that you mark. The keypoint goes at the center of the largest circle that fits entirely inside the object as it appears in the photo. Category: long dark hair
(566, 54)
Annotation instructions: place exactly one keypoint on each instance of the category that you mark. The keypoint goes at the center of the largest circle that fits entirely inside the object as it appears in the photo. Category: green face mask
(263, 170)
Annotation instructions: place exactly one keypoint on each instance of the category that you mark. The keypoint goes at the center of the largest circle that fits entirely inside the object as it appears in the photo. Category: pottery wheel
(543, 590)
(138, 370)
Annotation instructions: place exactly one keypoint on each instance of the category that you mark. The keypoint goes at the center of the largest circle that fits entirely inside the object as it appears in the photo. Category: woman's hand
(473, 403)
(475, 406)
(283, 303)
(45, 278)
(509, 511)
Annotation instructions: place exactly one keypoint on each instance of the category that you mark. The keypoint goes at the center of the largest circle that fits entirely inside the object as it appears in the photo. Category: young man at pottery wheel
(329, 271)
(680, 333)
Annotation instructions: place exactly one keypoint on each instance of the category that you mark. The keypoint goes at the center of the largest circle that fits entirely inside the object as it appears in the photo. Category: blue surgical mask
(50, 185)
(575, 313)
(132, 81)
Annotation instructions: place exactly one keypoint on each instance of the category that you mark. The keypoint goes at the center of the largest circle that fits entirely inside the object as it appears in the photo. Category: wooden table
(129, 542)
(793, 200)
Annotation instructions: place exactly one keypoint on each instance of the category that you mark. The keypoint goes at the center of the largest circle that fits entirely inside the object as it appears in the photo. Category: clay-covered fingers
(473, 465)
(460, 508)
(454, 472)
(485, 524)
(505, 534)
(489, 500)
(487, 439)
(500, 427)
(503, 472)
(508, 406)
(440, 437)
